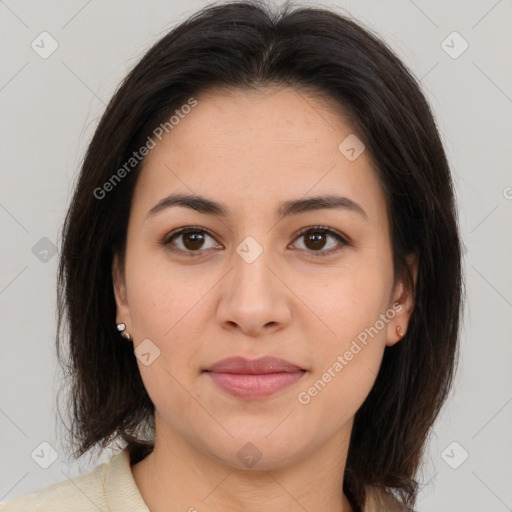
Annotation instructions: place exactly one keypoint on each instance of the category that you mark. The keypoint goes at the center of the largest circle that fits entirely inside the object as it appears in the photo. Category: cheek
(331, 398)
(160, 297)
(164, 309)
(347, 362)
(169, 306)
(351, 302)
(349, 353)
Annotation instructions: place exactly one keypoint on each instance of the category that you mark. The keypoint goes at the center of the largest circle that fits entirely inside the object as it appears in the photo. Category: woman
(261, 274)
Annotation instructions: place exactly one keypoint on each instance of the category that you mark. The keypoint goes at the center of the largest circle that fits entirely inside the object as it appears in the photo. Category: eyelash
(197, 229)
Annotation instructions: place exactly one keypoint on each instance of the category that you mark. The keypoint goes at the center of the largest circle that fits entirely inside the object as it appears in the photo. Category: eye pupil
(318, 240)
(195, 238)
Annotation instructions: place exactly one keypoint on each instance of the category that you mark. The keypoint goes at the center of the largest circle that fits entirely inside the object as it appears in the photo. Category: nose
(254, 299)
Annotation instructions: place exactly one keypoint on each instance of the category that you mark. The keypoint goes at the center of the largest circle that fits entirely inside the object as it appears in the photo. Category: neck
(178, 475)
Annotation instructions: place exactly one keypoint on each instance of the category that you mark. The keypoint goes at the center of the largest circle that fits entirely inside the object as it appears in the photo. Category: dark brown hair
(247, 45)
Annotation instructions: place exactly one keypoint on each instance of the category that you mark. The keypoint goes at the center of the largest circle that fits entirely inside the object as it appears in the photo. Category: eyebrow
(207, 206)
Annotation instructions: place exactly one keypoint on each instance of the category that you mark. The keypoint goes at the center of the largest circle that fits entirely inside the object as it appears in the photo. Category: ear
(119, 284)
(403, 302)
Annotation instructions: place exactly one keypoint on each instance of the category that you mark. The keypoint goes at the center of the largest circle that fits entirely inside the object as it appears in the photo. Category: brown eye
(188, 240)
(193, 241)
(316, 240)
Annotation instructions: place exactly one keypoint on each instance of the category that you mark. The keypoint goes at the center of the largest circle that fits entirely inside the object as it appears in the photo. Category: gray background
(49, 109)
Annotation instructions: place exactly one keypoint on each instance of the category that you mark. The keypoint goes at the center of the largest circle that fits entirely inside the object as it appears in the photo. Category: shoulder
(93, 491)
(380, 500)
(81, 493)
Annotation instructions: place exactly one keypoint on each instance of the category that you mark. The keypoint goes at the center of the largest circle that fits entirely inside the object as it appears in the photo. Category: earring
(122, 329)
(398, 331)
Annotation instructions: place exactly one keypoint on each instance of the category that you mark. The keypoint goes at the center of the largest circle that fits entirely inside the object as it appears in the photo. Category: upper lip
(262, 365)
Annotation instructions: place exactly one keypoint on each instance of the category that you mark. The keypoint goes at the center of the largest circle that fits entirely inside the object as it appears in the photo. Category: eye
(316, 238)
(193, 240)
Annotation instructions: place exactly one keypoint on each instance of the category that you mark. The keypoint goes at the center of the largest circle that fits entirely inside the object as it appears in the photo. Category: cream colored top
(110, 487)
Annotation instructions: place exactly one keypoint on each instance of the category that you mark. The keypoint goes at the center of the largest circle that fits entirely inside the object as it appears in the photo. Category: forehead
(264, 145)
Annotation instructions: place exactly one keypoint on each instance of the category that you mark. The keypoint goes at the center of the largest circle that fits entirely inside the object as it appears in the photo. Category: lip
(251, 379)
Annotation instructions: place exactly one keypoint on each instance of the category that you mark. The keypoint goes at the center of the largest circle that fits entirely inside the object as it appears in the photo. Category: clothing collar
(121, 490)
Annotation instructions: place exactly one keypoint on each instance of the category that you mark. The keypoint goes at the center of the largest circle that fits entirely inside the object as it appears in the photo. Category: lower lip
(255, 386)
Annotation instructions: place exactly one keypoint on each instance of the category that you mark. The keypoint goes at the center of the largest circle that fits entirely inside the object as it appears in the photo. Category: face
(259, 280)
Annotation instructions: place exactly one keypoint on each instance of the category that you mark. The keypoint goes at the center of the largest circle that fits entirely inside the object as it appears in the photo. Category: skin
(252, 151)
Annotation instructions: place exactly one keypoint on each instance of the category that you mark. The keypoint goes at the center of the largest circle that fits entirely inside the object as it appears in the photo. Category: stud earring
(399, 331)
(122, 329)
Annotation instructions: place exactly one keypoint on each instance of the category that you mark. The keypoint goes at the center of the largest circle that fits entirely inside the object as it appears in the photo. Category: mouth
(252, 379)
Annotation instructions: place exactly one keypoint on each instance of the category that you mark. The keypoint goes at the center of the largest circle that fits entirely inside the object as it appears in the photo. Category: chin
(257, 450)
